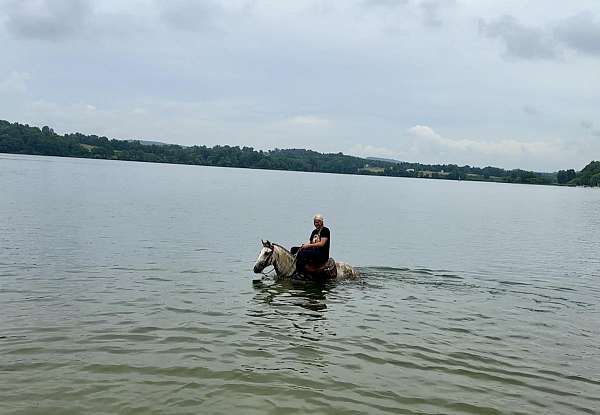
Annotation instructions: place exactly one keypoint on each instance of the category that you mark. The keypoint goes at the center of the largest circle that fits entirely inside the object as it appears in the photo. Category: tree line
(22, 139)
(589, 176)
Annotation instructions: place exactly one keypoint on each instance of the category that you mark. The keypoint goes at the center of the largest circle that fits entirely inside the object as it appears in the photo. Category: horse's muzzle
(257, 269)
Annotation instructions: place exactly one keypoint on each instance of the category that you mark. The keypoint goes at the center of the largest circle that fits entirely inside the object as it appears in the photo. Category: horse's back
(345, 271)
(331, 270)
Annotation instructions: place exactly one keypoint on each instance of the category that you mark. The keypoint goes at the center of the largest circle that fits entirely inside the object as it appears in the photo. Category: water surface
(126, 288)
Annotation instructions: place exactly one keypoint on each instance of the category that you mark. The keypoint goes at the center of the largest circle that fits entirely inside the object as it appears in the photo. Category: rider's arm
(319, 244)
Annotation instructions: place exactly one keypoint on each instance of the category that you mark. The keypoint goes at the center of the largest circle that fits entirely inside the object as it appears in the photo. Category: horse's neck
(284, 262)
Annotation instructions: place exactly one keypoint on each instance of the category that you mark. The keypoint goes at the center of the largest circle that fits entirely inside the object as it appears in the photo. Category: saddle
(323, 272)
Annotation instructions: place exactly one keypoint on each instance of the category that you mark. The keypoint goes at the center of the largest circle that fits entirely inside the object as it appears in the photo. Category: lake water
(126, 288)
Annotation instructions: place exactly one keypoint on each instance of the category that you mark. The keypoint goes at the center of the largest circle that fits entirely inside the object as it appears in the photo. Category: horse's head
(265, 257)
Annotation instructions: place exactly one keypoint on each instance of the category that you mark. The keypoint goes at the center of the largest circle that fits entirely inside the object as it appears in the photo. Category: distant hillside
(149, 143)
(23, 139)
(384, 159)
(589, 176)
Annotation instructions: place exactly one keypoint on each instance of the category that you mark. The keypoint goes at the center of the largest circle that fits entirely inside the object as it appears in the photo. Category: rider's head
(318, 220)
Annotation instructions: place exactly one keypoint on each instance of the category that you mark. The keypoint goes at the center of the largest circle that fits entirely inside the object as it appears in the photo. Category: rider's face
(318, 223)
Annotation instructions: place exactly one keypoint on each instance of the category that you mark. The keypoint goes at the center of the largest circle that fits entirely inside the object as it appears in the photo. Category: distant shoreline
(270, 170)
(278, 170)
(22, 139)
(294, 171)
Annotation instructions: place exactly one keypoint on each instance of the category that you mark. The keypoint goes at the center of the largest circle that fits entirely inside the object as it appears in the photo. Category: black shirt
(316, 236)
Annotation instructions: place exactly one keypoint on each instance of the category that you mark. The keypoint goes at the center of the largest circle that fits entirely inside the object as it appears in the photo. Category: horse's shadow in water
(310, 295)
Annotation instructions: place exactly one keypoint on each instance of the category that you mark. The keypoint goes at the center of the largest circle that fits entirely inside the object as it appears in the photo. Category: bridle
(269, 256)
(268, 259)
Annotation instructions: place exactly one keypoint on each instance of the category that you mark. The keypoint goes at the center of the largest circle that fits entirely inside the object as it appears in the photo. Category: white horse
(285, 264)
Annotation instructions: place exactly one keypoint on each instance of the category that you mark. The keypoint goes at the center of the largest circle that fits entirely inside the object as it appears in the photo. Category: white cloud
(309, 121)
(189, 15)
(424, 132)
(46, 19)
(432, 11)
(508, 152)
(588, 125)
(521, 41)
(504, 147)
(580, 32)
(15, 83)
(529, 110)
(383, 3)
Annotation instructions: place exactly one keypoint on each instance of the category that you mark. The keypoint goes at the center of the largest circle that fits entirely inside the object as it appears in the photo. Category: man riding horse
(308, 262)
(314, 255)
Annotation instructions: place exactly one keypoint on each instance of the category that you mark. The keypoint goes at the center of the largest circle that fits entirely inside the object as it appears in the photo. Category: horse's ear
(269, 245)
(263, 242)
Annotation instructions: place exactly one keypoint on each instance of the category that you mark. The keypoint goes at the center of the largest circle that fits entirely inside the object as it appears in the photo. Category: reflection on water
(132, 296)
(309, 295)
(475, 337)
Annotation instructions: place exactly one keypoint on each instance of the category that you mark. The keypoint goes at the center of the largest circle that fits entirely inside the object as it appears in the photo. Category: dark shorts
(311, 256)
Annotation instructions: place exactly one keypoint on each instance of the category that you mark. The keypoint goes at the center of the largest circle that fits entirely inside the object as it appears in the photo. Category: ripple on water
(399, 341)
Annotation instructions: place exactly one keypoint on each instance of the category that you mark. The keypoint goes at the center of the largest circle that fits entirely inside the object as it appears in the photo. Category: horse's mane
(282, 247)
(288, 261)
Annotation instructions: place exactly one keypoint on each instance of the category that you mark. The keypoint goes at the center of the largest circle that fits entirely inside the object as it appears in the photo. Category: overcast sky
(508, 83)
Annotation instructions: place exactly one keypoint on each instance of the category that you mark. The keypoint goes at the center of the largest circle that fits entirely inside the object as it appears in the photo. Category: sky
(511, 83)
